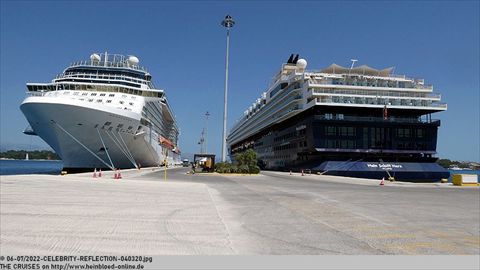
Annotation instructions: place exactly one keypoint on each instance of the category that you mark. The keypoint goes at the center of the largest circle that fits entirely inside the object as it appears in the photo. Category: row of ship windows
(373, 101)
(95, 94)
(370, 82)
(352, 144)
(375, 132)
(101, 95)
(295, 133)
(340, 131)
(107, 101)
(107, 88)
(375, 93)
(284, 110)
(283, 86)
(289, 146)
(266, 106)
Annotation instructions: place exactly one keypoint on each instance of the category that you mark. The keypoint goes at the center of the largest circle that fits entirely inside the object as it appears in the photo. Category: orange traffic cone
(382, 183)
(302, 173)
(95, 173)
(100, 173)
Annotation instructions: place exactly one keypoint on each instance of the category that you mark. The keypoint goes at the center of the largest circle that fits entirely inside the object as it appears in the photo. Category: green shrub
(245, 162)
(243, 169)
(223, 167)
(255, 170)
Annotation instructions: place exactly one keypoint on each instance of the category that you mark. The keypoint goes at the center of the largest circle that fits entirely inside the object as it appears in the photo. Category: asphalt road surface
(271, 213)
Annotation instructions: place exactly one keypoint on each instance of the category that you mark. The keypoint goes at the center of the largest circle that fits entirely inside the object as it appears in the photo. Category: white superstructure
(295, 89)
(104, 113)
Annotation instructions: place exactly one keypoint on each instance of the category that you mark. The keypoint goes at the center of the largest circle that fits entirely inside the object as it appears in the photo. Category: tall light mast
(228, 23)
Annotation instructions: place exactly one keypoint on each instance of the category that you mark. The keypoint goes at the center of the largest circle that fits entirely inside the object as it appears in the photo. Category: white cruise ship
(103, 113)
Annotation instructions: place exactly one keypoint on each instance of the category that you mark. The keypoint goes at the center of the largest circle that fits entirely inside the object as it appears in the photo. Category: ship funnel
(295, 59)
(290, 60)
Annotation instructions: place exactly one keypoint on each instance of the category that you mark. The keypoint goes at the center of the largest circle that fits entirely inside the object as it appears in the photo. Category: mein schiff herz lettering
(103, 113)
(355, 121)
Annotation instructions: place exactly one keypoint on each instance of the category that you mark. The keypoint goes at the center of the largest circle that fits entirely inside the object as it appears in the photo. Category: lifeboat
(165, 142)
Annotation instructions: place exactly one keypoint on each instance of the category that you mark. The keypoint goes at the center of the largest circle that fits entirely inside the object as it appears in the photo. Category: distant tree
(20, 154)
(446, 163)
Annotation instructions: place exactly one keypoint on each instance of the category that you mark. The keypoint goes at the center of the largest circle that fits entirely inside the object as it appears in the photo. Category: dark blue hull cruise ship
(356, 122)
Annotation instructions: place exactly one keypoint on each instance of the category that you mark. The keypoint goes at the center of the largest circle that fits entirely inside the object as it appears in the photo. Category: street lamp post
(201, 142)
(207, 114)
(228, 23)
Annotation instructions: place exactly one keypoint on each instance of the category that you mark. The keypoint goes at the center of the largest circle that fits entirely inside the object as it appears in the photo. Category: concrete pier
(270, 213)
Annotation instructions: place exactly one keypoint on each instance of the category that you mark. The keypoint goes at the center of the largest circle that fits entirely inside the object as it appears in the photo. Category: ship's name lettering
(384, 166)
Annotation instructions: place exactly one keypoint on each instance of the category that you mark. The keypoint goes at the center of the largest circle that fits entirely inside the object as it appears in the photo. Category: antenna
(351, 67)
(202, 142)
(207, 114)
(353, 63)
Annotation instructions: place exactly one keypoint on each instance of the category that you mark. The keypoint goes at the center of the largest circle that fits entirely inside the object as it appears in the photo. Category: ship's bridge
(102, 73)
(108, 67)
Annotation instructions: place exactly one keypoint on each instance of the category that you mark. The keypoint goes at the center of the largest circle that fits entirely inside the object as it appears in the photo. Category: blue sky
(183, 46)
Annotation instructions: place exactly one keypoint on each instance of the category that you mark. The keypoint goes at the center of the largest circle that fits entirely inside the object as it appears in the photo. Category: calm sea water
(9, 167)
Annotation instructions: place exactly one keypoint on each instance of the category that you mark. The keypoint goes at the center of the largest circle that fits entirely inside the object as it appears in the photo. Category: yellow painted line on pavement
(419, 248)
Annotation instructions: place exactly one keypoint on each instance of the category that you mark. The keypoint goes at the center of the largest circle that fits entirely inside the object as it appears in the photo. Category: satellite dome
(302, 63)
(133, 60)
(95, 57)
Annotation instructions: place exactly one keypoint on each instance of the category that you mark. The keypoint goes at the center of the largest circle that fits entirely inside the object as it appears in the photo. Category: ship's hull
(94, 136)
(348, 147)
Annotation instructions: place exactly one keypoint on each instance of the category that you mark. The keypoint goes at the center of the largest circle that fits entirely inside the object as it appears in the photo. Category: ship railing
(394, 76)
(100, 76)
(379, 101)
(439, 104)
(375, 119)
(376, 93)
(434, 95)
(423, 86)
(122, 64)
(371, 83)
(399, 76)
